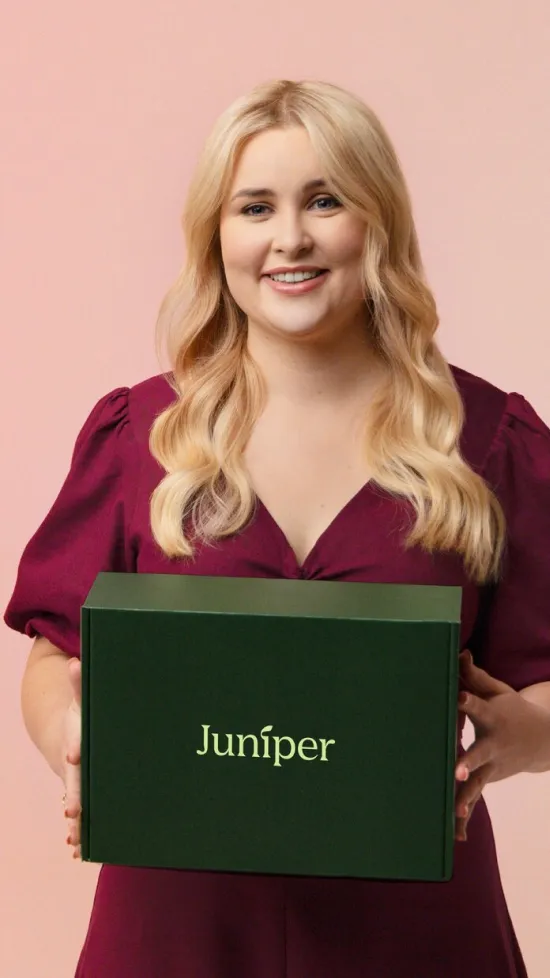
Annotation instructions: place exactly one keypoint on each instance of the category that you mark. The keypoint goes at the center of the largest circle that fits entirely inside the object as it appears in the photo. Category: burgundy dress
(149, 923)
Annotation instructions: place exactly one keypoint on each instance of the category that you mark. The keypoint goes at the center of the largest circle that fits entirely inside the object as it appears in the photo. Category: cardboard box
(270, 726)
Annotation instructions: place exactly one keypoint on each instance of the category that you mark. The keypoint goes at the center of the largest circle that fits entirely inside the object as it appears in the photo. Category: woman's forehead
(276, 159)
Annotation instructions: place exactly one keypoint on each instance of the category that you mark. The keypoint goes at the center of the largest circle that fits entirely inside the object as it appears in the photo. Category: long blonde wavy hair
(417, 416)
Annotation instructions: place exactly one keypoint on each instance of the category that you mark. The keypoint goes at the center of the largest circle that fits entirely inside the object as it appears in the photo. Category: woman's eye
(326, 203)
(254, 210)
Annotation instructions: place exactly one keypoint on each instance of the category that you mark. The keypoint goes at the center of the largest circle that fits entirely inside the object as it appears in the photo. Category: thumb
(75, 676)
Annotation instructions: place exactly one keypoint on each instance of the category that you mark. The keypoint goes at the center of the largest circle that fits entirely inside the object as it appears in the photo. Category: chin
(296, 329)
(293, 322)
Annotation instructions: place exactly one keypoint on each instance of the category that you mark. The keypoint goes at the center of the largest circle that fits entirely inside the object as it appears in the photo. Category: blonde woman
(309, 428)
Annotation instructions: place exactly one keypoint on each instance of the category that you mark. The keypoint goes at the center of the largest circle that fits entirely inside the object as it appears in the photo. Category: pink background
(104, 111)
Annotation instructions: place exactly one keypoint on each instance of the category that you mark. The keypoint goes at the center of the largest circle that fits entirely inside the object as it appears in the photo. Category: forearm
(45, 697)
(539, 695)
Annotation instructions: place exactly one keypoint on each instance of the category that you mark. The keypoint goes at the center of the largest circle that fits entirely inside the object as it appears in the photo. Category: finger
(74, 738)
(461, 830)
(471, 809)
(72, 790)
(73, 826)
(463, 813)
(465, 679)
(464, 685)
(477, 756)
(473, 804)
(482, 682)
(462, 822)
(476, 709)
(469, 794)
(75, 676)
(73, 832)
(73, 731)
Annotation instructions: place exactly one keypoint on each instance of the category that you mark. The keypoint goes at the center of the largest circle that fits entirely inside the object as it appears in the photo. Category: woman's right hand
(71, 739)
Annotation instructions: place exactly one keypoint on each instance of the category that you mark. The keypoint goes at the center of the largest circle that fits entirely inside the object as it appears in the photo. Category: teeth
(295, 276)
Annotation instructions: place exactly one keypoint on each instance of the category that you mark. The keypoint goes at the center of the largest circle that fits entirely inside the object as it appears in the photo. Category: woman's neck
(315, 371)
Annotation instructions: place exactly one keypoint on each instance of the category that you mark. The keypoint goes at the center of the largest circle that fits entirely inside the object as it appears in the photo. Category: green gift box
(270, 726)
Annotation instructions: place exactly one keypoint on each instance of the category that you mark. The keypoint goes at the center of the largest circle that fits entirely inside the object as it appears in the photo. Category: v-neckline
(302, 566)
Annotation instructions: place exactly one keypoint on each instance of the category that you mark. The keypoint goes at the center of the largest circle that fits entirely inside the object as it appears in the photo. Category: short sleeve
(514, 641)
(85, 531)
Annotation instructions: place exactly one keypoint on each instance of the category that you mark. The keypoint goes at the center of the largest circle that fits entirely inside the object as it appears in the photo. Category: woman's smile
(296, 281)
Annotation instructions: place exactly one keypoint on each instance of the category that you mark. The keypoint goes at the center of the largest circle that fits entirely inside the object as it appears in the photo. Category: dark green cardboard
(361, 678)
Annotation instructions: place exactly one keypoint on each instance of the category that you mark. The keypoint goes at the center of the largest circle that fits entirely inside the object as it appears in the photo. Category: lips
(295, 273)
(295, 276)
(296, 281)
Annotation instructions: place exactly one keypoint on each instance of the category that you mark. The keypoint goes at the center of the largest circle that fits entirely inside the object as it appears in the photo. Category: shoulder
(499, 425)
(481, 398)
(119, 423)
(485, 411)
(146, 400)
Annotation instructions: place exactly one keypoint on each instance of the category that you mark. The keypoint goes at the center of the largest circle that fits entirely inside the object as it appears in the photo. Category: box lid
(275, 596)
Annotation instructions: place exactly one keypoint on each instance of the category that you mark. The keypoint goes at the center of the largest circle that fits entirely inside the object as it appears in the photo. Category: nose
(290, 233)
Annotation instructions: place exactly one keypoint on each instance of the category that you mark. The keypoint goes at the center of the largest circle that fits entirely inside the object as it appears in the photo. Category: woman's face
(291, 251)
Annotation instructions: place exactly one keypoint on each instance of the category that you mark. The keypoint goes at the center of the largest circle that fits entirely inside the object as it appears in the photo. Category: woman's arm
(539, 694)
(46, 694)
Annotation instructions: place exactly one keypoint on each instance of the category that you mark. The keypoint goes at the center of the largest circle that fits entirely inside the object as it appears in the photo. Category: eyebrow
(266, 192)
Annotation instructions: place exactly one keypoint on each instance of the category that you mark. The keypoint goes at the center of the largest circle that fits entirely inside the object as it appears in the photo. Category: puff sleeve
(86, 530)
(513, 642)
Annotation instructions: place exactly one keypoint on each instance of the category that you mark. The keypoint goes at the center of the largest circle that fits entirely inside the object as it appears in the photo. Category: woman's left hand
(509, 730)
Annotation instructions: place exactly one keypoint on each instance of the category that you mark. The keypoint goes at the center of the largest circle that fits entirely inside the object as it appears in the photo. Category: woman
(310, 428)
